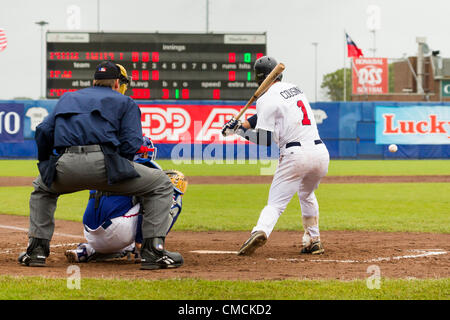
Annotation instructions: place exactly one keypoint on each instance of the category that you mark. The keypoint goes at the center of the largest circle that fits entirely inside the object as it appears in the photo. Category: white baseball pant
(300, 170)
(117, 237)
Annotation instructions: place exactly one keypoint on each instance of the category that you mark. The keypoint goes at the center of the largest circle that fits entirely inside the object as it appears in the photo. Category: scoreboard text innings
(161, 65)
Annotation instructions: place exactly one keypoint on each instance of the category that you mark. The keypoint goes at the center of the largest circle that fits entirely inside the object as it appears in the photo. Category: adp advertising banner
(11, 119)
(412, 125)
(190, 123)
(370, 76)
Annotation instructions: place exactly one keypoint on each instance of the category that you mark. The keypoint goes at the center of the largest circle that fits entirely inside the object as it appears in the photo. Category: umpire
(88, 142)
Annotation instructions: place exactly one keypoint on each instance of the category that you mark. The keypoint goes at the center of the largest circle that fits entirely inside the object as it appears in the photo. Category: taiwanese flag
(352, 49)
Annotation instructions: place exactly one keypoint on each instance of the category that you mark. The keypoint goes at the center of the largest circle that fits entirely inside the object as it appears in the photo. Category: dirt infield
(26, 181)
(211, 255)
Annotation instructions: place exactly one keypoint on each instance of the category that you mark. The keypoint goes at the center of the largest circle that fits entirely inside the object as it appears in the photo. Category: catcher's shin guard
(175, 210)
(256, 240)
(180, 183)
(154, 256)
(38, 250)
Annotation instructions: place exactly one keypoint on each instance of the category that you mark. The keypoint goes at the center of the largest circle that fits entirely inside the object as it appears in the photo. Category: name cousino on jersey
(291, 92)
(285, 111)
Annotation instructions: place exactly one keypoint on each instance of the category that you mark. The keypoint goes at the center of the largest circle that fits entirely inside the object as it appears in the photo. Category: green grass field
(342, 207)
(418, 207)
(27, 168)
(13, 288)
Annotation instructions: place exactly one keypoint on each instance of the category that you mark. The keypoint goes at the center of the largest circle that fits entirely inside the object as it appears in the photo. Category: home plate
(213, 252)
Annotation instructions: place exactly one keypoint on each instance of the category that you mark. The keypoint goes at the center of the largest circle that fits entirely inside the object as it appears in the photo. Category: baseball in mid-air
(393, 148)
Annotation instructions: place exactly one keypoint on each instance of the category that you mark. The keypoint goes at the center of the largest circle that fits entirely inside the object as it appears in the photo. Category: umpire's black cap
(107, 70)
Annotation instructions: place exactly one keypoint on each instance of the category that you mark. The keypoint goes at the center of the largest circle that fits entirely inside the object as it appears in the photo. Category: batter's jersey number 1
(305, 121)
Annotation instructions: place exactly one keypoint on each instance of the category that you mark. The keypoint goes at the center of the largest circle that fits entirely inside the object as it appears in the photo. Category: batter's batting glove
(230, 127)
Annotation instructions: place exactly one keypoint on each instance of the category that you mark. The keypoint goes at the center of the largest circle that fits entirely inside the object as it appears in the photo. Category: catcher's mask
(147, 150)
(124, 79)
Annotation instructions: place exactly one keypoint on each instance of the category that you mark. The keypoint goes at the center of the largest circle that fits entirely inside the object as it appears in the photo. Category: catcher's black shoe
(154, 256)
(314, 248)
(256, 240)
(38, 250)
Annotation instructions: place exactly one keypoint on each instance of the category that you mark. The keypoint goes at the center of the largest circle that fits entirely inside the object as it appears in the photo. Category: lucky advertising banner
(412, 125)
(370, 76)
(202, 123)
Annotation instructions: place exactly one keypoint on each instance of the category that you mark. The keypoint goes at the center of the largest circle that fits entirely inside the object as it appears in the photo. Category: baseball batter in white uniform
(283, 115)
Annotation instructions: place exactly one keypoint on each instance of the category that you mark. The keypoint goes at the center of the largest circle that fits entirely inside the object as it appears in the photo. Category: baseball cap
(106, 70)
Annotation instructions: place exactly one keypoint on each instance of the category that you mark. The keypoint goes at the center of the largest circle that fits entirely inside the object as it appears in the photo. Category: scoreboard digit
(175, 66)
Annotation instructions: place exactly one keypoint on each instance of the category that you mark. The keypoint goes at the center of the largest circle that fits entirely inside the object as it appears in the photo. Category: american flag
(3, 41)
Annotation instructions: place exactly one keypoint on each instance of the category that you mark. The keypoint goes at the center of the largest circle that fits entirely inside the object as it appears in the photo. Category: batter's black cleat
(256, 240)
(154, 256)
(38, 250)
(314, 248)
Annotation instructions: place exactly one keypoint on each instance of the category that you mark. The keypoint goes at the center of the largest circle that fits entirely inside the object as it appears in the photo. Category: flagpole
(345, 70)
(354, 52)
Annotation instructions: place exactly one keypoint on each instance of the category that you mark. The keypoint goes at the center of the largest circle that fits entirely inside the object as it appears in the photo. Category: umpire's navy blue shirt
(94, 115)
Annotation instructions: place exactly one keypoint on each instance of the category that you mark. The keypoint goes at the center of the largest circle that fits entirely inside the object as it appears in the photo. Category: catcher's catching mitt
(178, 179)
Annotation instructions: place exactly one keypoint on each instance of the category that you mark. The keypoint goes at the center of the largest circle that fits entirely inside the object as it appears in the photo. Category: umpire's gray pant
(86, 171)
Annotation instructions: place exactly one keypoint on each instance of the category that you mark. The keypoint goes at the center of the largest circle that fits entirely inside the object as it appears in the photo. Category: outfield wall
(191, 129)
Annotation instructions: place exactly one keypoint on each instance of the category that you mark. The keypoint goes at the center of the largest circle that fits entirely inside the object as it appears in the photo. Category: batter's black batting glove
(230, 127)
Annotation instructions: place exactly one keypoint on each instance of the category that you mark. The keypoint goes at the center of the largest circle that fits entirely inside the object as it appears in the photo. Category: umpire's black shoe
(38, 250)
(154, 256)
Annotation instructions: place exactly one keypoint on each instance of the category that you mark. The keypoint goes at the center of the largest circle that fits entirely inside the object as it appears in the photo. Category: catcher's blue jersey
(100, 211)
(109, 207)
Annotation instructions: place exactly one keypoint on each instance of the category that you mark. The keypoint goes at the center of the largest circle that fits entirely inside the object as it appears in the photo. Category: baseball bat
(279, 68)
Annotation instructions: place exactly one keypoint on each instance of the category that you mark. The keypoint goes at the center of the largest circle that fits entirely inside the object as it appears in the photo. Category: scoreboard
(175, 66)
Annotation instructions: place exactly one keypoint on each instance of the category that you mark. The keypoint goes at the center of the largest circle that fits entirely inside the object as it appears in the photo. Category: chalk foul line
(423, 253)
(420, 253)
(55, 234)
(13, 250)
(213, 252)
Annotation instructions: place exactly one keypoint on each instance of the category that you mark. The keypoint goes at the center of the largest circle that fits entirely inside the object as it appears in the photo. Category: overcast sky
(291, 26)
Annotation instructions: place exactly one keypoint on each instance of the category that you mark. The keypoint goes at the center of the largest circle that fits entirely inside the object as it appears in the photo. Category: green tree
(333, 85)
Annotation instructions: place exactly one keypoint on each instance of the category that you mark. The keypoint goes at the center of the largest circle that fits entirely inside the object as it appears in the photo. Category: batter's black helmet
(263, 66)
